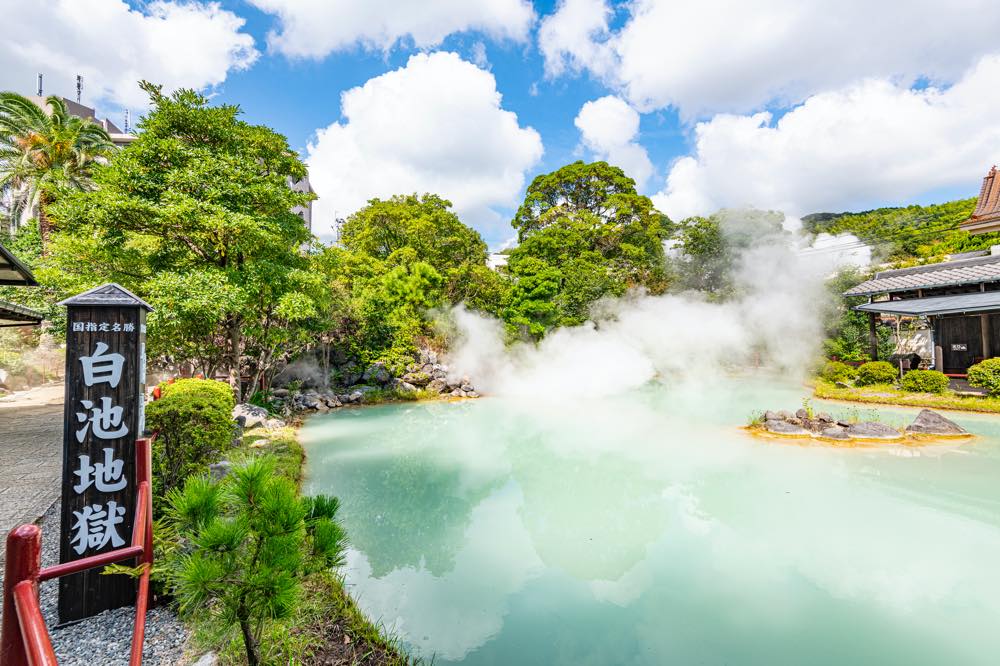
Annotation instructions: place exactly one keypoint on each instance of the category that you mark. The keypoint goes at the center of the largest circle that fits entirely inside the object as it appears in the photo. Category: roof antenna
(39, 85)
(126, 120)
(79, 88)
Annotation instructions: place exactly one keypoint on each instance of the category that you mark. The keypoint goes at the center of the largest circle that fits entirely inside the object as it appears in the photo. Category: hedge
(986, 375)
(876, 372)
(924, 381)
(194, 418)
(835, 371)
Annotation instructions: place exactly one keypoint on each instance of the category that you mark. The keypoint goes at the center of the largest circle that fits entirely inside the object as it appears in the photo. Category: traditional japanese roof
(111, 295)
(945, 274)
(13, 272)
(12, 314)
(986, 217)
(937, 305)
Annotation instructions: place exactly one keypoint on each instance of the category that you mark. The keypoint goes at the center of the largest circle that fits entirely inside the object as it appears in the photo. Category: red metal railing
(24, 638)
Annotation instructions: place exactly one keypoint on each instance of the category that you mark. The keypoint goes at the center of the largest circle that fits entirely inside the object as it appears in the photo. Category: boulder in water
(873, 430)
(932, 423)
(784, 428)
(834, 432)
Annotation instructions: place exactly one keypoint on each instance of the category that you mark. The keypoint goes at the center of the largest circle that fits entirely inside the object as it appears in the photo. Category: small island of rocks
(925, 428)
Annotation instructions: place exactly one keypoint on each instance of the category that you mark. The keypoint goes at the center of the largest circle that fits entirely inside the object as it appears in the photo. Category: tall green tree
(585, 233)
(197, 210)
(404, 257)
(424, 224)
(44, 155)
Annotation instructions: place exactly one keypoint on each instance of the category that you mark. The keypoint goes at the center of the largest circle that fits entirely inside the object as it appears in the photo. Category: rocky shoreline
(804, 424)
(428, 376)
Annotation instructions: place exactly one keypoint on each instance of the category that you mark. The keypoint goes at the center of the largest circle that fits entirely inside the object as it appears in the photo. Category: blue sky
(718, 104)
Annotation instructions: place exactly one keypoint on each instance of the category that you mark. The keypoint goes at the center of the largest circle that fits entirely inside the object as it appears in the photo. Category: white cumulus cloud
(315, 28)
(734, 56)
(609, 128)
(572, 38)
(112, 45)
(860, 146)
(435, 125)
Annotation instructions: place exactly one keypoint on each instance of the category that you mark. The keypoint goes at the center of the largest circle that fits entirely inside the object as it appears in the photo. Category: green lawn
(886, 394)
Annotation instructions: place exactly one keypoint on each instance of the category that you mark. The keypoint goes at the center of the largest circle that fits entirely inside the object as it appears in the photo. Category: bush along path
(878, 382)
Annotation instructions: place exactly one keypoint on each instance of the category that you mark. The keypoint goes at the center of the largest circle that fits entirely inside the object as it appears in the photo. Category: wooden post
(104, 415)
(872, 335)
(984, 329)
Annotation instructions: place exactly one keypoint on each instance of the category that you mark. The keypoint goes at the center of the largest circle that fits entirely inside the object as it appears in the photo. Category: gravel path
(105, 639)
(30, 459)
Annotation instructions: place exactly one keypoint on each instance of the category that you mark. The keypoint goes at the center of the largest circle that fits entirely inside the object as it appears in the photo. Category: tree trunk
(326, 364)
(234, 358)
(44, 222)
(249, 642)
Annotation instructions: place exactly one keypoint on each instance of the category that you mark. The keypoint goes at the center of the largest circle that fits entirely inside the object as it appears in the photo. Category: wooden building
(956, 301)
(14, 273)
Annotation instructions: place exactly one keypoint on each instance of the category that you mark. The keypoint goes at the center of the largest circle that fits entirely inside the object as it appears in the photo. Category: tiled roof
(936, 305)
(12, 314)
(986, 217)
(946, 274)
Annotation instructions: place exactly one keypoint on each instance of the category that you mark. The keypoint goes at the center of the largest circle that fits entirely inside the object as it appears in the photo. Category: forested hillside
(906, 234)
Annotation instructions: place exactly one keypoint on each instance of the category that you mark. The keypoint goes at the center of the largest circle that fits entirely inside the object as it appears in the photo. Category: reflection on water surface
(648, 529)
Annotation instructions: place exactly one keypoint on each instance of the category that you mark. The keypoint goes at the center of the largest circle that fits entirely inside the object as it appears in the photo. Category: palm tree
(44, 154)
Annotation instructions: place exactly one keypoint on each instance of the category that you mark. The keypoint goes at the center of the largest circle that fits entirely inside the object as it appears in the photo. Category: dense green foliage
(924, 381)
(250, 541)
(195, 216)
(876, 372)
(835, 371)
(194, 419)
(708, 249)
(403, 259)
(847, 330)
(986, 375)
(585, 233)
(44, 155)
(910, 233)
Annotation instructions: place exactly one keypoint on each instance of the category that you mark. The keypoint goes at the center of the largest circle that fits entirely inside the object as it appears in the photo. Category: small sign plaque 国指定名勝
(104, 415)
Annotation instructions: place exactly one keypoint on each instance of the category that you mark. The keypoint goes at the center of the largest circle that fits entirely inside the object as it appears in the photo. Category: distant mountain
(910, 233)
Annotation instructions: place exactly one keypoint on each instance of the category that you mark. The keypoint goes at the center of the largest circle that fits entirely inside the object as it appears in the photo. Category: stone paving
(30, 457)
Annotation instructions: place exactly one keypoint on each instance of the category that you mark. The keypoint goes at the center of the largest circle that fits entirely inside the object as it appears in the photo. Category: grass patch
(327, 627)
(379, 396)
(886, 394)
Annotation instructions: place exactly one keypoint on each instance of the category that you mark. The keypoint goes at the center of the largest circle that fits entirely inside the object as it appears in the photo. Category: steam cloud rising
(776, 320)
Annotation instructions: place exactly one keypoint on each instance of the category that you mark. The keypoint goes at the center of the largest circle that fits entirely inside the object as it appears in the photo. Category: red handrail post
(144, 476)
(24, 560)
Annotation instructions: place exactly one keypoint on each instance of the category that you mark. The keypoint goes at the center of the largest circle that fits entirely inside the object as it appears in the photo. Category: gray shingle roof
(946, 274)
(937, 305)
(12, 314)
(110, 294)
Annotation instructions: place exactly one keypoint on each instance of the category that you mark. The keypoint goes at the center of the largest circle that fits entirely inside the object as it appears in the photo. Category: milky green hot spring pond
(648, 529)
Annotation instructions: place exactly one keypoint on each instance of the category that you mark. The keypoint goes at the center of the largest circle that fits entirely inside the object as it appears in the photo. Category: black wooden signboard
(104, 415)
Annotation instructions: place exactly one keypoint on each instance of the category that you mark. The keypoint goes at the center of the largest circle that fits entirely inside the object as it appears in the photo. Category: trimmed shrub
(194, 418)
(208, 388)
(835, 371)
(924, 381)
(986, 375)
(876, 372)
